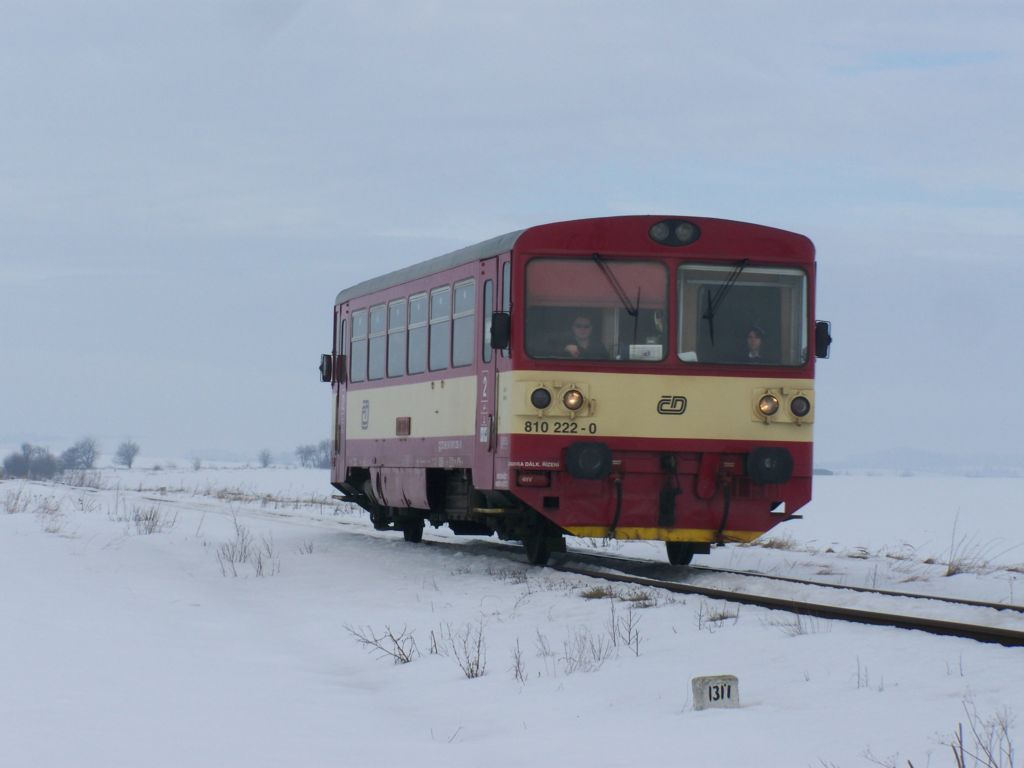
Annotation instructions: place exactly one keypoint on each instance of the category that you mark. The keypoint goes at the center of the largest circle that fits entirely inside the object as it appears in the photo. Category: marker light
(768, 405)
(686, 232)
(540, 398)
(572, 399)
(800, 406)
(660, 232)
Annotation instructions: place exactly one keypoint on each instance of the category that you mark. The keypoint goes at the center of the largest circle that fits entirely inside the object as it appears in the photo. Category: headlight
(768, 405)
(572, 399)
(540, 398)
(800, 406)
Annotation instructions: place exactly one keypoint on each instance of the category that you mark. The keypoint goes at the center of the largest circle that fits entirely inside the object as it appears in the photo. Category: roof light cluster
(674, 232)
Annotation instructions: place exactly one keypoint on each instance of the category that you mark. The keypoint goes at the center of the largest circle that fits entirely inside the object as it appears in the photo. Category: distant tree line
(317, 456)
(33, 462)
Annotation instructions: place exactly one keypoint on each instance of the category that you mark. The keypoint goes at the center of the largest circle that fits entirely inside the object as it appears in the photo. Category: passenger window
(396, 338)
(464, 324)
(440, 328)
(357, 364)
(418, 333)
(378, 341)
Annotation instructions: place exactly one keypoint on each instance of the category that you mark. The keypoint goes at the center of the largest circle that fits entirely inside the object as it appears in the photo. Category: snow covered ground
(227, 617)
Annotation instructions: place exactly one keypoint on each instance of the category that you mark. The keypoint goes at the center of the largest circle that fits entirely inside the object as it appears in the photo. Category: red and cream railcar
(634, 377)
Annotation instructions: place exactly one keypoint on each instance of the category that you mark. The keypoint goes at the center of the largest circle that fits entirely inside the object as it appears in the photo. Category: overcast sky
(184, 187)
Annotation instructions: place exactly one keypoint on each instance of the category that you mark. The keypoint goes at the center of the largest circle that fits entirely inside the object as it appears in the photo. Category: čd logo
(672, 405)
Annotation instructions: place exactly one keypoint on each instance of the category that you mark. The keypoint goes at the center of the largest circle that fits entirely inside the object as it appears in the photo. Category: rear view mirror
(326, 367)
(822, 338)
(501, 330)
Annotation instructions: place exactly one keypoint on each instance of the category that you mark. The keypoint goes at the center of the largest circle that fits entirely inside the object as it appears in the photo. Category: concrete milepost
(716, 692)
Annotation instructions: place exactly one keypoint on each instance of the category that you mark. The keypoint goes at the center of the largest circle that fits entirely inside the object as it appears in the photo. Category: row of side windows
(428, 331)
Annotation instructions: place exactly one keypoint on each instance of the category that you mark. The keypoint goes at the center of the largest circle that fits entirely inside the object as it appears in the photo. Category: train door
(486, 399)
(338, 467)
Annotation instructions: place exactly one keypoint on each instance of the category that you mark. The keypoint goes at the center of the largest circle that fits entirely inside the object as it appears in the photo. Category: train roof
(484, 250)
(581, 234)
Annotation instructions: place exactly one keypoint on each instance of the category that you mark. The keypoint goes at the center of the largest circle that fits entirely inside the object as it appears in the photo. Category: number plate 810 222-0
(716, 691)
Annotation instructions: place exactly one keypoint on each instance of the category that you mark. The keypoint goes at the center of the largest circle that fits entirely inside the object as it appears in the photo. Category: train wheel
(538, 548)
(679, 552)
(412, 531)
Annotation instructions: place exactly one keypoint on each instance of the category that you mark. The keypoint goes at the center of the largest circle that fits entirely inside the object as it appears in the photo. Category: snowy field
(228, 617)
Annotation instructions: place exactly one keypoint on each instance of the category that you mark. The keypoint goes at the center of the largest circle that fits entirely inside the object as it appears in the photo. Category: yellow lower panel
(663, 534)
(627, 405)
(439, 408)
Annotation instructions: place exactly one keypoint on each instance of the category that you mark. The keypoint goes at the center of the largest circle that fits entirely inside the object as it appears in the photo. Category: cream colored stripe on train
(440, 408)
(654, 405)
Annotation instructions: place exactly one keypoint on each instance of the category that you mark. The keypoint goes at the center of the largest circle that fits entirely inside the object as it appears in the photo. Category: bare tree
(305, 454)
(265, 458)
(126, 453)
(317, 456)
(81, 455)
(323, 454)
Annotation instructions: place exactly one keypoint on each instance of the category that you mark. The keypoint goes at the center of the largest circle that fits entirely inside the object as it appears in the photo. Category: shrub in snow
(31, 463)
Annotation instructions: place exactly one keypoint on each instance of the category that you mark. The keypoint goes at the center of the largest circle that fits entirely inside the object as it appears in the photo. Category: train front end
(662, 386)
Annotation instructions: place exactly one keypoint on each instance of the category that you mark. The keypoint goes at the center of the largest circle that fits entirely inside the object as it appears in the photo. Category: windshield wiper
(633, 310)
(715, 301)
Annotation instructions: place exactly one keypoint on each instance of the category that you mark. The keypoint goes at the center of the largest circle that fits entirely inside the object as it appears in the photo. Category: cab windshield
(596, 308)
(740, 315)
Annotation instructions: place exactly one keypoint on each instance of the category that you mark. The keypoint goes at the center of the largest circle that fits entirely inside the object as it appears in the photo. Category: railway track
(865, 590)
(653, 569)
(680, 581)
(687, 580)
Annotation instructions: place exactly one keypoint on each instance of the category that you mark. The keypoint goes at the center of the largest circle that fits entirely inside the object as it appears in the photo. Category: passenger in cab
(581, 344)
(755, 339)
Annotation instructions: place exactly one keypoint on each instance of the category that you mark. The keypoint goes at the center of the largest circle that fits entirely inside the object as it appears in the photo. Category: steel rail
(1006, 637)
(868, 590)
(618, 561)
